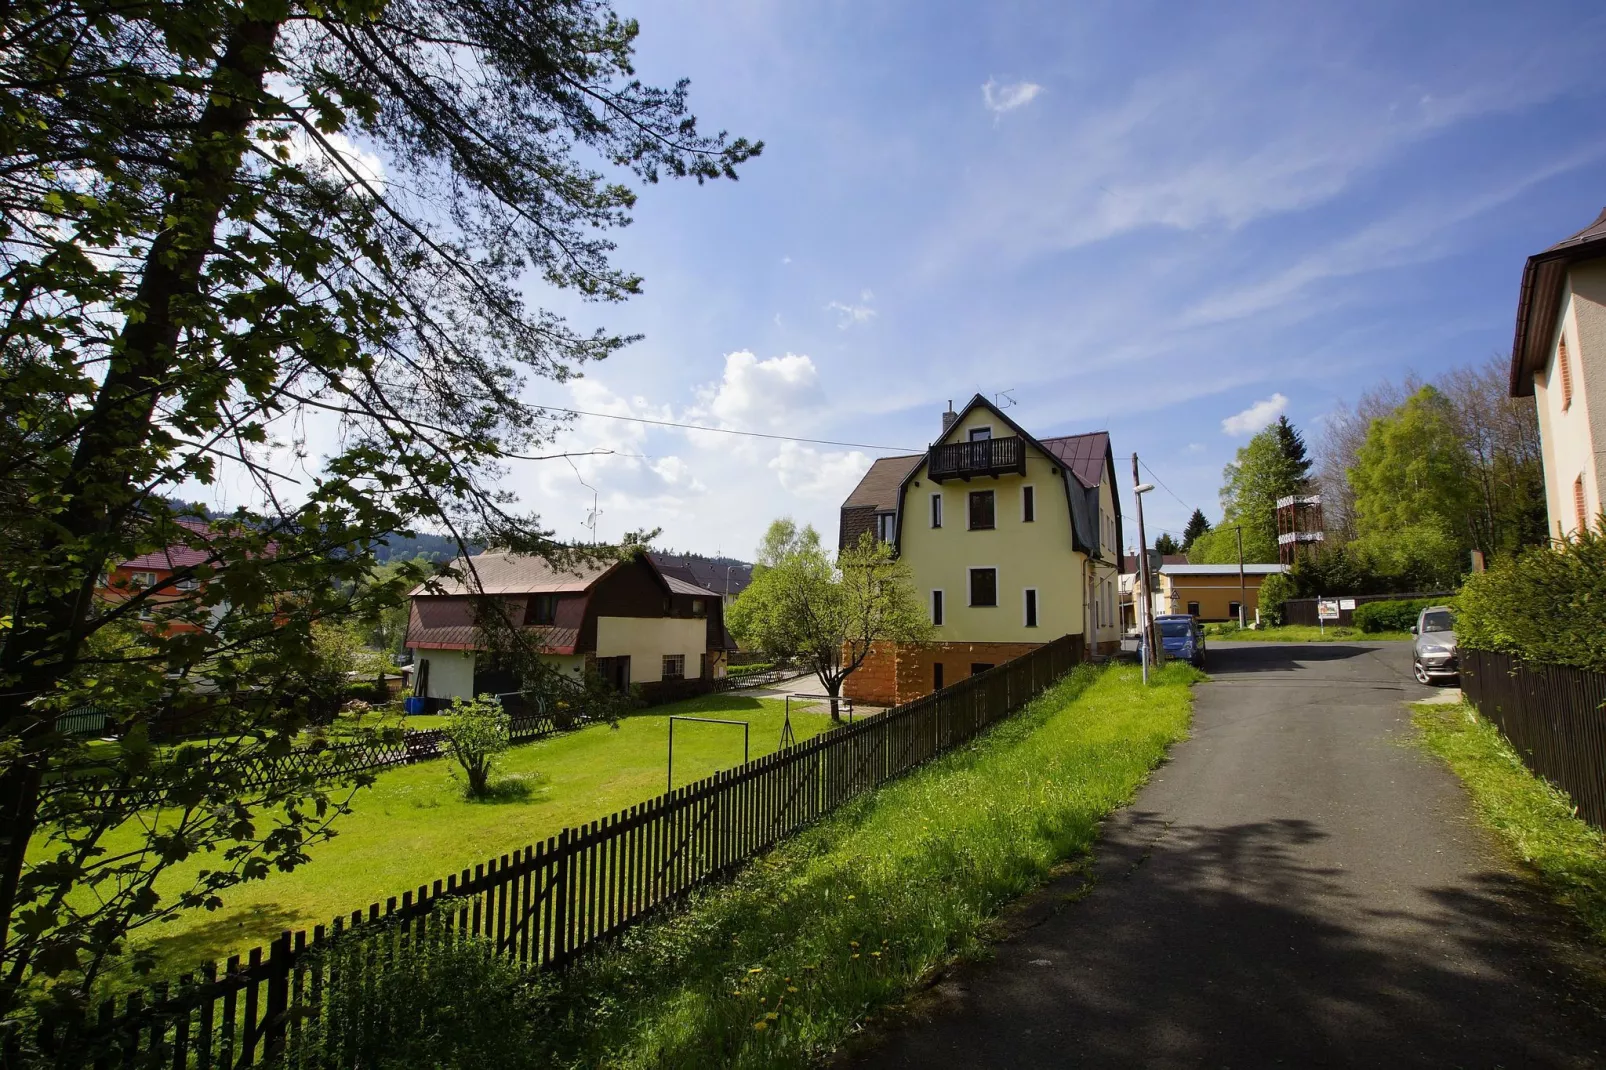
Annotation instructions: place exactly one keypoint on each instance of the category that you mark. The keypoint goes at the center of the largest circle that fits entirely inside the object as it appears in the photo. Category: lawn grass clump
(777, 967)
(1533, 817)
(1305, 633)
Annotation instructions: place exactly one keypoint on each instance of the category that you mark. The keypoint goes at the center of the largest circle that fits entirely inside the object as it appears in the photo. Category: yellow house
(1013, 541)
(1558, 357)
(1212, 592)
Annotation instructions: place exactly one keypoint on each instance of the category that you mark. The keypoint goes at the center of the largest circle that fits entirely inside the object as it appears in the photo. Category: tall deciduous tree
(1413, 469)
(229, 229)
(830, 614)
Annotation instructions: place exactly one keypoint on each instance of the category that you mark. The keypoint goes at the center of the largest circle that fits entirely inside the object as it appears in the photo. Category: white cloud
(1009, 96)
(848, 315)
(822, 476)
(758, 394)
(1255, 416)
(1196, 447)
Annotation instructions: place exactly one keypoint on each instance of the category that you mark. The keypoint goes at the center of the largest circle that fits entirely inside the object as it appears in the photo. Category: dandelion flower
(791, 988)
(761, 1026)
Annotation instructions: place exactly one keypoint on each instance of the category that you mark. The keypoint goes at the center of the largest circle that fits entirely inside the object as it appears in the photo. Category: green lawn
(414, 824)
(1303, 633)
(778, 967)
(1533, 818)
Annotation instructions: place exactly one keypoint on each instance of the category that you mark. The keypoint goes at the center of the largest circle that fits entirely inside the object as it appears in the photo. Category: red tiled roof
(1084, 455)
(173, 557)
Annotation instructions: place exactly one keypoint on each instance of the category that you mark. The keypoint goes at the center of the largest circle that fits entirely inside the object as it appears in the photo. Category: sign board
(1327, 609)
(1346, 603)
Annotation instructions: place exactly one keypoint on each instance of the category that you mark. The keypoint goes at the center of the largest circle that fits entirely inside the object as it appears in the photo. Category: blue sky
(1146, 218)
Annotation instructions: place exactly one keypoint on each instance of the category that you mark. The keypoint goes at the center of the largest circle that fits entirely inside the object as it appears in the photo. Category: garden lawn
(1532, 817)
(779, 966)
(1304, 633)
(414, 824)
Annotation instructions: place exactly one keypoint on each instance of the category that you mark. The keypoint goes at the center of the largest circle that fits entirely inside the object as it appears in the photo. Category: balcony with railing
(983, 457)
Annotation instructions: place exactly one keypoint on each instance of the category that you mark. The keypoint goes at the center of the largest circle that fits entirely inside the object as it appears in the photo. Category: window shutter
(1566, 365)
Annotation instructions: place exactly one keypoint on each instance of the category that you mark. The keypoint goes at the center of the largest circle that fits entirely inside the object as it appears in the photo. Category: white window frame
(938, 607)
(1035, 602)
(970, 587)
(142, 579)
(970, 433)
(664, 673)
(1023, 489)
(936, 509)
(891, 522)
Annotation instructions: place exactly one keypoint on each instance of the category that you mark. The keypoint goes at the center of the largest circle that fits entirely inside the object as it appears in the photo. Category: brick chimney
(949, 417)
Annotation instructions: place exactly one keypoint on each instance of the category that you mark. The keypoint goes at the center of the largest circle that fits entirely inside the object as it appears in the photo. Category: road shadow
(1246, 657)
(1230, 947)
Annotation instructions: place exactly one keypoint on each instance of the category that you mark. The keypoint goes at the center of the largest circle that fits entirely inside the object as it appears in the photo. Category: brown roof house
(1558, 357)
(625, 621)
(1013, 541)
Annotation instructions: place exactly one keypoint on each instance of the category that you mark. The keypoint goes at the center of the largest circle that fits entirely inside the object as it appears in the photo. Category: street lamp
(1146, 640)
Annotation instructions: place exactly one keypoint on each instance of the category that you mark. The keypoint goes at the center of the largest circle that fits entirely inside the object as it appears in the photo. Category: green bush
(1396, 615)
(441, 999)
(748, 670)
(475, 734)
(1274, 591)
(1542, 604)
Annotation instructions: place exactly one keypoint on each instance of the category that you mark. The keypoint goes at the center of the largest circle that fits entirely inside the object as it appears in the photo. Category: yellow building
(1013, 542)
(1212, 592)
(1558, 357)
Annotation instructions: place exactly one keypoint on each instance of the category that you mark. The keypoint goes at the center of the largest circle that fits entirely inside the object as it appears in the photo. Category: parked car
(1433, 648)
(1181, 636)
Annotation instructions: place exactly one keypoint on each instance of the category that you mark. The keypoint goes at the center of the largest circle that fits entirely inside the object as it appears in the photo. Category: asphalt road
(1299, 885)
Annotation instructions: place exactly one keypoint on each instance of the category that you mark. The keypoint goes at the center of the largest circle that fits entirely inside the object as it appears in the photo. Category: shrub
(1274, 591)
(1542, 604)
(748, 670)
(476, 733)
(441, 999)
(1395, 615)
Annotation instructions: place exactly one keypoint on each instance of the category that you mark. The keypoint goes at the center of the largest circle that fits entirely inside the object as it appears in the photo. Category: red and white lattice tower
(1299, 526)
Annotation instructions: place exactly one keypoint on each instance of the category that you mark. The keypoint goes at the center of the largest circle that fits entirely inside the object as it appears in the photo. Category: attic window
(697, 607)
(884, 526)
(544, 609)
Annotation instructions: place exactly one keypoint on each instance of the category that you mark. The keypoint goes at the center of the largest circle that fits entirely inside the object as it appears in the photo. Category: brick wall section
(856, 520)
(890, 675)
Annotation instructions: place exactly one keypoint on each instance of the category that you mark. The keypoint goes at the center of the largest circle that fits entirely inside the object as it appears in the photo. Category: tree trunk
(47, 630)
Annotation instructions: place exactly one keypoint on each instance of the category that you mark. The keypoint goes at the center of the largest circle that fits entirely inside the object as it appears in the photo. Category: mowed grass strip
(1533, 817)
(778, 966)
(415, 824)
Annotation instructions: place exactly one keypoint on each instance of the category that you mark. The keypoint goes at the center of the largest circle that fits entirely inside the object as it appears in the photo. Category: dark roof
(1539, 300)
(1084, 455)
(879, 487)
(710, 573)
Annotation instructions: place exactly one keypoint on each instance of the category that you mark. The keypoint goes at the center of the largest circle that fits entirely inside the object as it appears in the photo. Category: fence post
(278, 1009)
(560, 900)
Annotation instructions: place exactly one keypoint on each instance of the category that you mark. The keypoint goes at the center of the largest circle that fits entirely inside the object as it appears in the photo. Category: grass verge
(1534, 818)
(778, 966)
(1305, 633)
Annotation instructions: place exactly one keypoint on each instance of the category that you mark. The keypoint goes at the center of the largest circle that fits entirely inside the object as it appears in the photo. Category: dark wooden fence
(1303, 610)
(549, 902)
(1553, 716)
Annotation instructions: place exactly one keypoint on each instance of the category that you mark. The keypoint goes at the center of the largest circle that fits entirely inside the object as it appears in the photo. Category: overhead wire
(729, 430)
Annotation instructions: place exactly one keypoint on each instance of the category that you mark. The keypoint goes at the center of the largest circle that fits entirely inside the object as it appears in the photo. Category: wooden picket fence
(549, 902)
(1553, 715)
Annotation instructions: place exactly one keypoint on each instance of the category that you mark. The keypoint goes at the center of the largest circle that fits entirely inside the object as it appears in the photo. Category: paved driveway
(1298, 886)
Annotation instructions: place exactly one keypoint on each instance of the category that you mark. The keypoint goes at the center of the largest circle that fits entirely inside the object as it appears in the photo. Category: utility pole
(1146, 647)
(1243, 590)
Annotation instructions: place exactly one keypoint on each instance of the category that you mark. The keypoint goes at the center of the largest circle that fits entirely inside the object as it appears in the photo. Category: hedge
(1393, 616)
(746, 670)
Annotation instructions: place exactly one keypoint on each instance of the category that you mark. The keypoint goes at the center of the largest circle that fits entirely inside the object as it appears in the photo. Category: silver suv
(1433, 648)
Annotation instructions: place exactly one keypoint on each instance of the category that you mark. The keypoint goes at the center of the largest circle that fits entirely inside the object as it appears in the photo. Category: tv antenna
(1004, 400)
(591, 517)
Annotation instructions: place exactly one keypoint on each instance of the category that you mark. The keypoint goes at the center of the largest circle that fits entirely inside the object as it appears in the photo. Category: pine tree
(1166, 545)
(1292, 444)
(1197, 526)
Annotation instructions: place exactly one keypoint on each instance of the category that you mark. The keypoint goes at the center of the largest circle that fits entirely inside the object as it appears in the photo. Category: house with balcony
(1012, 540)
(1558, 358)
(625, 621)
(165, 584)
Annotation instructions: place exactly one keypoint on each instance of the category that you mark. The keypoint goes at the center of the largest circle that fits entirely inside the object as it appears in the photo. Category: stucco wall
(1213, 593)
(645, 640)
(1037, 554)
(1573, 438)
(451, 673)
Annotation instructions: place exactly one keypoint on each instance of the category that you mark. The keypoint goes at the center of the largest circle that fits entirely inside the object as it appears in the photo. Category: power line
(729, 431)
(1161, 482)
